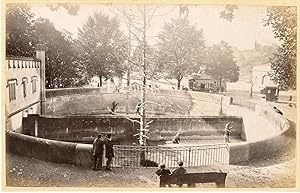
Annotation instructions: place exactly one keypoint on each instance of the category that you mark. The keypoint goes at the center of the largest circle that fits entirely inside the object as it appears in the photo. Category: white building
(25, 88)
(260, 77)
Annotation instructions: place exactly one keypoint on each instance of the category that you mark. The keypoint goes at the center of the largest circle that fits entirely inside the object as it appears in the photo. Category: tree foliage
(20, 29)
(283, 63)
(102, 47)
(220, 63)
(71, 8)
(24, 32)
(181, 49)
(151, 60)
(62, 67)
(228, 12)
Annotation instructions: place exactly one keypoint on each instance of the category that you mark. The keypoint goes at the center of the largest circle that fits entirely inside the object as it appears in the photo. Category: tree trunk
(220, 85)
(178, 84)
(128, 77)
(100, 79)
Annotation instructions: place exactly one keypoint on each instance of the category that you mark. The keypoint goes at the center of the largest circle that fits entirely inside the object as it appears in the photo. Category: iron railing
(244, 103)
(130, 156)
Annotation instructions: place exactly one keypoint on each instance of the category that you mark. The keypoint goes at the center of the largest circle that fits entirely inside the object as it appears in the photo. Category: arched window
(24, 82)
(33, 81)
(11, 84)
(263, 78)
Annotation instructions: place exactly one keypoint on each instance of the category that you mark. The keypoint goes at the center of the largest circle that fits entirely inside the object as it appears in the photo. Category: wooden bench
(193, 178)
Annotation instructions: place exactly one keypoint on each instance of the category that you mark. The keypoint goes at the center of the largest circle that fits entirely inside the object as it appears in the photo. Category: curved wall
(80, 154)
(80, 128)
(245, 151)
(68, 91)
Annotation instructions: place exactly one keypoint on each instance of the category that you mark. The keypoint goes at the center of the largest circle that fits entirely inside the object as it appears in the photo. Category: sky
(246, 27)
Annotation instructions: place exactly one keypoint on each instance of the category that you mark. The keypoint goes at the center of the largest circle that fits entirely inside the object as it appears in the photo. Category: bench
(193, 178)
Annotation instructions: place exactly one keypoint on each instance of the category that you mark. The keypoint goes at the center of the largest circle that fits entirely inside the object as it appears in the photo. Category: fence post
(189, 155)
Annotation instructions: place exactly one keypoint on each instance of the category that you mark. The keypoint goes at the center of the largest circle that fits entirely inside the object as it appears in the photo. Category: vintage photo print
(153, 96)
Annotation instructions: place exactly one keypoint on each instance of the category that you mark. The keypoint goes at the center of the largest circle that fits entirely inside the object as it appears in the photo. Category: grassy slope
(170, 102)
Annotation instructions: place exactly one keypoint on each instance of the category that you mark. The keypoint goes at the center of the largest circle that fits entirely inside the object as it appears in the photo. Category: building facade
(25, 88)
(202, 83)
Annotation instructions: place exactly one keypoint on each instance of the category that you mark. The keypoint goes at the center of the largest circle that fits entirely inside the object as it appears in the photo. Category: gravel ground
(269, 172)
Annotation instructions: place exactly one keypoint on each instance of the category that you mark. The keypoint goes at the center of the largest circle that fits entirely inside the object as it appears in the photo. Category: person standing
(163, 172)
(228, 128)
(109, 152)
(179, 170)
(97, 152)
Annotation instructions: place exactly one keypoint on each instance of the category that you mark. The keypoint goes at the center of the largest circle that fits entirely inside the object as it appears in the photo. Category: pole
(129, 66)
(143, 110)
(129, 51)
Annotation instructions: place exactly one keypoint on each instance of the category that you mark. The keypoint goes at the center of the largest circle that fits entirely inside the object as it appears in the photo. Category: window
(24, 82)
(12, 89)
(33, 80)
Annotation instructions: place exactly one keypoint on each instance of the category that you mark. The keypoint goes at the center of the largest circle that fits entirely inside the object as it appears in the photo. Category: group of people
(102, 140)
(163, 171)
(98, 149)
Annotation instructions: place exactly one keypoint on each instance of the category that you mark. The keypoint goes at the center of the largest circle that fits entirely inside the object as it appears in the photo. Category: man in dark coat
(97, 152)
(109, 151)
(163, 172)
(179, 170)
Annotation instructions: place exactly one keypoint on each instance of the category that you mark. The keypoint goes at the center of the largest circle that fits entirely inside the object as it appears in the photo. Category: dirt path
(275, 171)
(267, 172)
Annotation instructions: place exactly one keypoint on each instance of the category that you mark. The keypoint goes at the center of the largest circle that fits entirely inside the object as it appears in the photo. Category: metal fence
(130, 156)
(244, 103)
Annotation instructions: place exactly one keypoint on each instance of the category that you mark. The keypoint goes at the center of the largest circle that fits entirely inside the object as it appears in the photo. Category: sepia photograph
(151, 96)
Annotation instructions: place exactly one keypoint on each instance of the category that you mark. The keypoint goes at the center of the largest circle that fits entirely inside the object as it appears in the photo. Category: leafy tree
(137, 59)
(102, 47)
(228, 12)
(71, 8)
(62, 67)
(23, 33)
(283, 63)
(20, 31)
(180, 49)
(221, 64)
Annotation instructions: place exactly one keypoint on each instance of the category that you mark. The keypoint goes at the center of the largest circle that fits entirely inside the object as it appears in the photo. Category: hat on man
(180, 163)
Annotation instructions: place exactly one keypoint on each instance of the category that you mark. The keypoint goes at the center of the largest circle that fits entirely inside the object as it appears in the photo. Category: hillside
(246, 59)
(168, 102)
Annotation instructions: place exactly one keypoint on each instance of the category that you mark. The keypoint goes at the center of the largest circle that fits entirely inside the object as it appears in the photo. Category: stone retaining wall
(79, 154)
(211, 98)
(43, 149)
(69, 91)
(80, 128)
(245, 151)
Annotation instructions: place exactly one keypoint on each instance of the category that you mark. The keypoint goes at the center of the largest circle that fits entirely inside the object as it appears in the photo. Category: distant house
(260, 76)
(202, 83)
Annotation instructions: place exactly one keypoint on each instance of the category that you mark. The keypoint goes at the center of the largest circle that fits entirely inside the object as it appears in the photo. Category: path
(27, 172)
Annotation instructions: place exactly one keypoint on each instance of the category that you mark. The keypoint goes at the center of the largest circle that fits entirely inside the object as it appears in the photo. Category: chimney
(40, 54)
